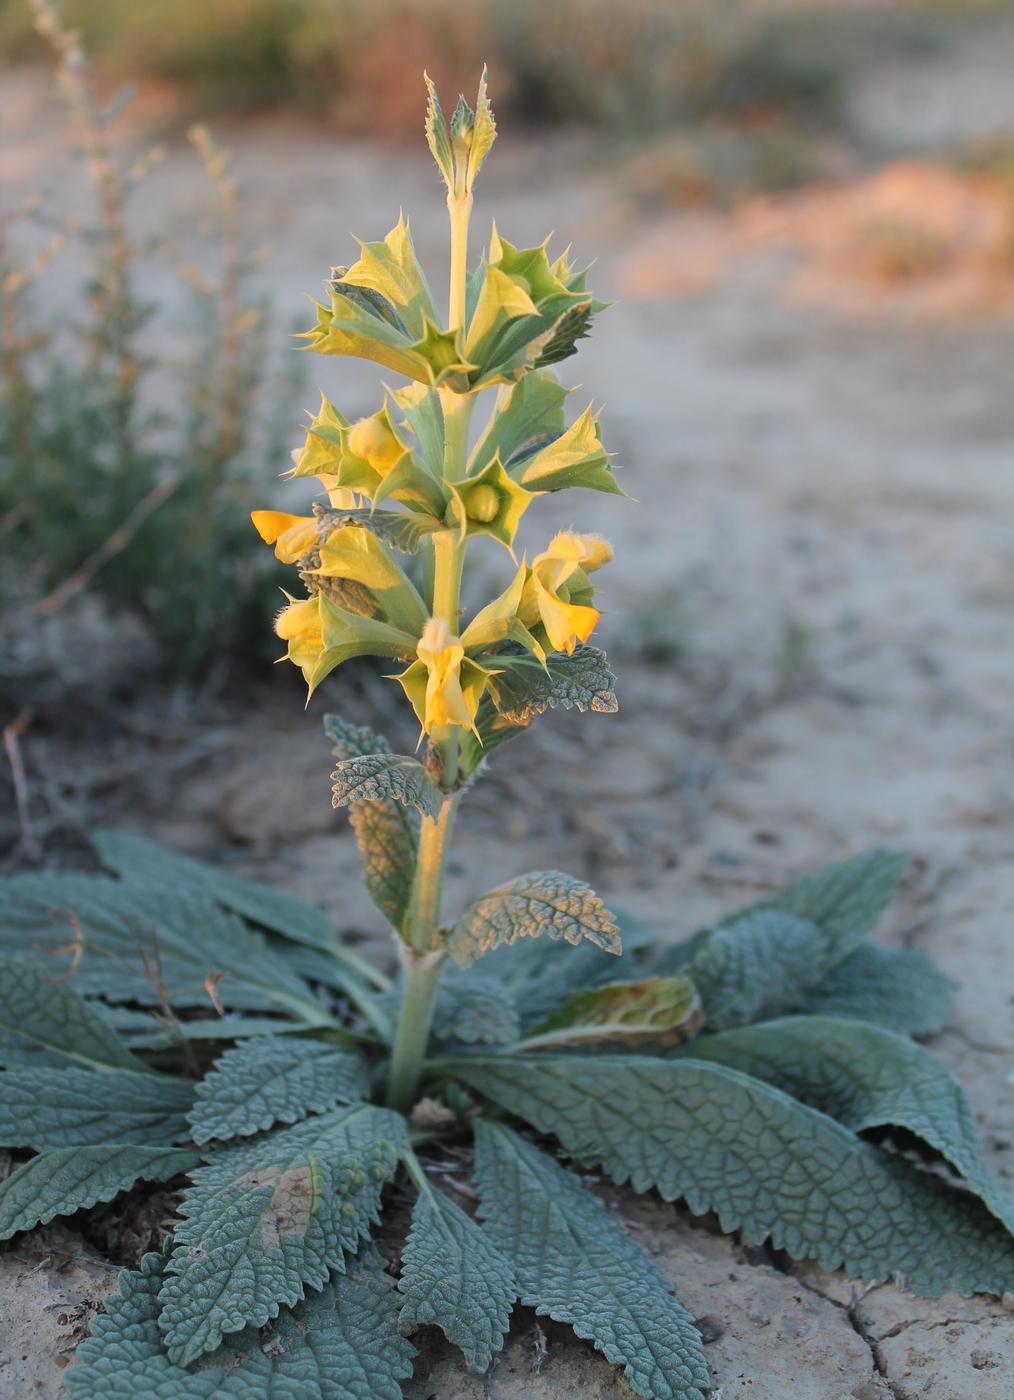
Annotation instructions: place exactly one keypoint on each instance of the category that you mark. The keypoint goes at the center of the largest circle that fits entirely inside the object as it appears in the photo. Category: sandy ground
(821, 531)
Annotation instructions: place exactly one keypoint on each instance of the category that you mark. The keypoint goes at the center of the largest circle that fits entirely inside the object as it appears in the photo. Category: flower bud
(483, 503)
(372, 439)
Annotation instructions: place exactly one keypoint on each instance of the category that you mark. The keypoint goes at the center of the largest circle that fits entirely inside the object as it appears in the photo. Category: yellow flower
(299, 624)
(443, 685)
(558, 592)
(292, 535)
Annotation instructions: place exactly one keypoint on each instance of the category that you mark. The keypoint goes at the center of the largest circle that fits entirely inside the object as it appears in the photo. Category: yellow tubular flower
(443, 685)
(291, 535)
(557, 575)
(299, 625)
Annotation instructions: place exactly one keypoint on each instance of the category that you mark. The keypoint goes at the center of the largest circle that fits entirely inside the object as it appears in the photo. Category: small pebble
(710, 1327)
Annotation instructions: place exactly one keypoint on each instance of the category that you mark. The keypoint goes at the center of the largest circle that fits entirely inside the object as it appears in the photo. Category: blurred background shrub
(127, 468)
(638, 64)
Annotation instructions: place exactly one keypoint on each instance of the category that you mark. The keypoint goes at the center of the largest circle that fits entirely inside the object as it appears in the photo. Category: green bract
(758, 1071)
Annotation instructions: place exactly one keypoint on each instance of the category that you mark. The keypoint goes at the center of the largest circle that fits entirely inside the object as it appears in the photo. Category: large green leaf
(340, 1344)
(576, 1265)
(767, 1164)
(129, 941)
(656, 1010)
(147, 1030)
(137, 859)
(387, 832)
(274, 1079)
(543, 901)
(45, 1108)
(900, 988)
(765, 960)
(70, 1178)
(391, 776)
(472, 1007)
(454, 1276)
(264, 1219)
(760, 966)
(866, 1077)
(846, 899)
(48, 1020)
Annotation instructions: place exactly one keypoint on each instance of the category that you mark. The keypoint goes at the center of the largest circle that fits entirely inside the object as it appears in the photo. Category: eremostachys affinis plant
(409, 481)
(190, 1027)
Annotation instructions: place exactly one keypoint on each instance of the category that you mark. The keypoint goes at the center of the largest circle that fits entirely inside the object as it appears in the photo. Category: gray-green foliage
(342, 1343)
(136, 858)
(44, 1108)
(768, 958)
(845, 899)
(454, 1276)
(138, 941)
(387, 832)
(900, 988)
(264, 1219)
(46, 1020)
(757, 967)
(473, 1008)
(469, 1007)
(865, 1077)
(274, 1079)
(390, 776)
(69, 1178)
(574, 1264)
(762, 1161)
(524, 689)
(543, 901)
(781, 1115)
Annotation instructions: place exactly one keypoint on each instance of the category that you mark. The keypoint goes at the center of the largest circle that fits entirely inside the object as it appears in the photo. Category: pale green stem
(457, 417)
(422, 958)
(415, 1170)
(421, 961)
(422, 974)
(460, 210)
(450, 556)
